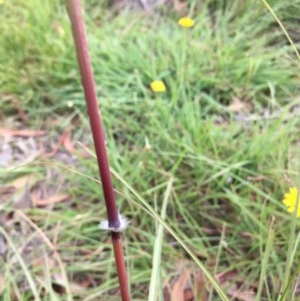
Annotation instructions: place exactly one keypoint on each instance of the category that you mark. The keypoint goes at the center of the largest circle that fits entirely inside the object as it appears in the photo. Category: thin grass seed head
(158, 86)
(290, 200)
(124, 223)
(186, 22)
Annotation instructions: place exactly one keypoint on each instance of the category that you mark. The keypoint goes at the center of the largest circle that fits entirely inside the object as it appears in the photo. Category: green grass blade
(23, 266)
(265, 261)
(271, 10)
(156, 260)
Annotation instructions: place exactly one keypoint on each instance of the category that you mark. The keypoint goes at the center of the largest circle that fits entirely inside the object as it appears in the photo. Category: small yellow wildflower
(158, 86)
(1, 1)
(186, 22)
(290, 200)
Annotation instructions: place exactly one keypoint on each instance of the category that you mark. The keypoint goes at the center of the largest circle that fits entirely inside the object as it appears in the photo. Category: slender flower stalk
(114, 223)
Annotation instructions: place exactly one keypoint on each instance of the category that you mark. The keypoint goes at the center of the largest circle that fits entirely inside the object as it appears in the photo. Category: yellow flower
(158, 86)
(1, 1)
(290, 200)
(186, 22)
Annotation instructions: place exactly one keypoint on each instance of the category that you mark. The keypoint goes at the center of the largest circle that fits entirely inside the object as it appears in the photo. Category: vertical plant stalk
(87, 77)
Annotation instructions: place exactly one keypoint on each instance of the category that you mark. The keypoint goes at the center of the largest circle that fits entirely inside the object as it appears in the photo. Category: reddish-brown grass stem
(87, 77)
